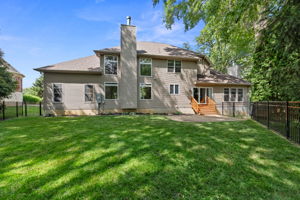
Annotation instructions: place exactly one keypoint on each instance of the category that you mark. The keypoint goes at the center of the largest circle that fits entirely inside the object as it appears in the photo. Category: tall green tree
(276, 71)
(7, 83)
(37, 88)
(260, 36)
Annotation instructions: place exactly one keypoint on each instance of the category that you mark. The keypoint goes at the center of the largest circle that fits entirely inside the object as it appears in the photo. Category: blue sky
(36, 33)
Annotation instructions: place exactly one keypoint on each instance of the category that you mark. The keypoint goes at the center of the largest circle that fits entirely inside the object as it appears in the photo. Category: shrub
(31, 98)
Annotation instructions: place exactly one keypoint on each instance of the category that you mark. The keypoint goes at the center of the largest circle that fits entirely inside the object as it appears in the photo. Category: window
(226, 94)
(111, 90)
(57, 93)
(145, 91)
(174, 66)
(232, 94)
(145, 66)
(174, 89)
(89, 93)
(110, 64)
(240, 94)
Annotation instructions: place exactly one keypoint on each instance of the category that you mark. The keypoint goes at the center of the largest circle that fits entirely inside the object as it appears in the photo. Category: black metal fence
(282, 117)
(9, 110)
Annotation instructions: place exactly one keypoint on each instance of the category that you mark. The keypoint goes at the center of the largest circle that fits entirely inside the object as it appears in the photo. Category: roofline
(158, 56)
(68, 71)
(221, 84)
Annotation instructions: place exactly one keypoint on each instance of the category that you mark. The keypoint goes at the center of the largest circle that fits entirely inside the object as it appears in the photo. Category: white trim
(145, 63)
(148, 86)
(174, 88)
(236, 94)
(198, 100)
(114, 61)
(174, 66)
(111, 85)
(62, 96)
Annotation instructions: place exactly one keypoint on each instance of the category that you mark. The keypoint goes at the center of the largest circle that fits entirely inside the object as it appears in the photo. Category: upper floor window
(110, 64)
(89, 93)
(145, 91)
(234, 94)
(57, 92)
(174, 89)
(145, 66)
(111, 90)
(174, 66)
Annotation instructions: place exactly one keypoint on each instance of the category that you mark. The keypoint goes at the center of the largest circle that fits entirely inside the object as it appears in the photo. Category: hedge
(31, 98)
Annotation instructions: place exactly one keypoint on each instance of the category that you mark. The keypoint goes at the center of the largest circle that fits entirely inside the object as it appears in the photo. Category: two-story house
(146, 77)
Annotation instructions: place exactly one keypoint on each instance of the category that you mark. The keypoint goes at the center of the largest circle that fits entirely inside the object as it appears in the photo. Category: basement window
(145, 91)
(145, 66)
(174, 66)
(110, 64)
(234, 94)
(111, 90)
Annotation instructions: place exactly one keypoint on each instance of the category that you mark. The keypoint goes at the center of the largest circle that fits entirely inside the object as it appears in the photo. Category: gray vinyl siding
(161, 80)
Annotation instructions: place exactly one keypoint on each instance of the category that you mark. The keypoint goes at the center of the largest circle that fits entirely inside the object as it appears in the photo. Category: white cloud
(8, 38)
(150, 27)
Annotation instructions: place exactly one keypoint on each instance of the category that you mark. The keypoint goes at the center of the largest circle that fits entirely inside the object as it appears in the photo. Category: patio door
(201, 93)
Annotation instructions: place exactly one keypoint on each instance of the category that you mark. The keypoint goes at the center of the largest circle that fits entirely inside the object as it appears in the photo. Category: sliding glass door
(201, 94)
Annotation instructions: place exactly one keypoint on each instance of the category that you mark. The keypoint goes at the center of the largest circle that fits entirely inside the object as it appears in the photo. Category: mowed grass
(144, 157)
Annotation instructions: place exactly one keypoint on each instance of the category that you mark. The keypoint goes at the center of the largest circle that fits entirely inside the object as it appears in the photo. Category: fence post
(22, 108)
(3, 110)
(268, 116)
(233, 109)
(25, 108)
(287, 120)
(17, 109)
(222, 108)
(40, 108)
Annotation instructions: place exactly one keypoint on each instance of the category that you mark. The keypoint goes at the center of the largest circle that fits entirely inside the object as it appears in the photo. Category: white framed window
(145, 91)
(145, 66)
(174, 66)
(174, 89)
(110, 64)
(111, 90)
(240, 94)
(234, 94)
(57, 92)
(226, 94)
(88, 93)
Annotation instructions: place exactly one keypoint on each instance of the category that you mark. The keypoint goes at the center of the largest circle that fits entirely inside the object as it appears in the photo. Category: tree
(276, 71)
(1, 53)
(260, 36)
(37, 87)
(7, 83)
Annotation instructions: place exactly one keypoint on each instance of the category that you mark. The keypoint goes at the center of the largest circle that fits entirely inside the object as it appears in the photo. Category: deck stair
(204, 109)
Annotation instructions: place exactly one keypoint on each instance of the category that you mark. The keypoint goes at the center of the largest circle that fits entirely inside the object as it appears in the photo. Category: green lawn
(144, 157)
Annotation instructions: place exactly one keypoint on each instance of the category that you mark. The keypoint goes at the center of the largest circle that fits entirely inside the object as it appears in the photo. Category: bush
(31, 98)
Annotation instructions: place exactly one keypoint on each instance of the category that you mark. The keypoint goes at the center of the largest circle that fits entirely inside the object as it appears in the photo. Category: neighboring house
(16, 96)
(146, 77)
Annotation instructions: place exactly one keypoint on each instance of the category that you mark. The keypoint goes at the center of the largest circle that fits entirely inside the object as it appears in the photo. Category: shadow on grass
(147, 157)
